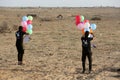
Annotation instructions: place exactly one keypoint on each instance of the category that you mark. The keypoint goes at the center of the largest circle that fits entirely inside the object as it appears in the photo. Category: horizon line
(59, 7)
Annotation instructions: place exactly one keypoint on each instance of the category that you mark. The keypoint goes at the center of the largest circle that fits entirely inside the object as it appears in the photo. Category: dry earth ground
(54, 53)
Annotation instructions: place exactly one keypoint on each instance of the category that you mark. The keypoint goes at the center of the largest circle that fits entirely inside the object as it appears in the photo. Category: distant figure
(19, 44)
(86, 50)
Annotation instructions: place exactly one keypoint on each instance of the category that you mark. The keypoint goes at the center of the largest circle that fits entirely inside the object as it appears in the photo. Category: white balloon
(87, 29)
(87, 25)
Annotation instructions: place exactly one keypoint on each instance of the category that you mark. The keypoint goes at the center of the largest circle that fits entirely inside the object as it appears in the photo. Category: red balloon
(77, 19)
(24, 29)
(29, 22)
(86, 21)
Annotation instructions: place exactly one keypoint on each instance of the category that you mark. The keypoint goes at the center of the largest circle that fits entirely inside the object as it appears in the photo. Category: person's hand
(93, 45)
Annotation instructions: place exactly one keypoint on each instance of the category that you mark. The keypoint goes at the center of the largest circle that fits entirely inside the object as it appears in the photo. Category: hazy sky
(59, 3)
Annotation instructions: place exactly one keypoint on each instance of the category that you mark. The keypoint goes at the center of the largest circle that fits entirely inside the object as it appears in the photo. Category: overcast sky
(59, 3)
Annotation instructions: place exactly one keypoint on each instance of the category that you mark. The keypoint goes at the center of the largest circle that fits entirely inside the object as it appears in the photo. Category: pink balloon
(80, 26)
(24, 23)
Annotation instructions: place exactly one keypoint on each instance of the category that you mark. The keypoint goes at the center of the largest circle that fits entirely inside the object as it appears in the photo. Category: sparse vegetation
(95, 18)
(4, 28)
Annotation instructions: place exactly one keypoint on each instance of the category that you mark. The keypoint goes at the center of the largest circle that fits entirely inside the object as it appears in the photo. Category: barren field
(54, 52)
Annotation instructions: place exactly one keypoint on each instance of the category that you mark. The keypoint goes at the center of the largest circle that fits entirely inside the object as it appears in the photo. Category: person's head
(20, 28)
(86, 34)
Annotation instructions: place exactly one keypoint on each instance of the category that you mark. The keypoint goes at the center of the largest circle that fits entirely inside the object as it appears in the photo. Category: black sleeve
(90, 39)
(24, 33)
(81, 38)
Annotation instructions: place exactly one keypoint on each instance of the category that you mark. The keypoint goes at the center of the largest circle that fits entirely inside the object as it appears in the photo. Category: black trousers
(20, 52)
(87, 54)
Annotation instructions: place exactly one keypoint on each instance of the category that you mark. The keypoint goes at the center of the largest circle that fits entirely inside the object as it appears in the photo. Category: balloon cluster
(27, 24)
(84, 25)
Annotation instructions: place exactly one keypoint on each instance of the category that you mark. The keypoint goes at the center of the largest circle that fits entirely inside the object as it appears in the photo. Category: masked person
(19, 44)
(86, 50)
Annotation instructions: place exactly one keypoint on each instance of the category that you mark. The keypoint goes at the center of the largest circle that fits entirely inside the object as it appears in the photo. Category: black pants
(20, 52)
(89, 55)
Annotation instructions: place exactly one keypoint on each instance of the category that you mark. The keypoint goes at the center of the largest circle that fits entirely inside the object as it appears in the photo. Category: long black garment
(86, 52)
(19, 44)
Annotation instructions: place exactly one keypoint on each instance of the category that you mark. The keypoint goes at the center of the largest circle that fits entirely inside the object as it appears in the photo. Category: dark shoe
(19, 62)
(83, 71)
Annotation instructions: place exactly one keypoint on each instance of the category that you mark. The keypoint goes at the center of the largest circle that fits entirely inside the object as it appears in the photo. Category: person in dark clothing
(19, 44)
(86, 51)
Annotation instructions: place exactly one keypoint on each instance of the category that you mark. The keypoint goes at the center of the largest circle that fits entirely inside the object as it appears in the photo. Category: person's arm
(91, 38)
(25, 33)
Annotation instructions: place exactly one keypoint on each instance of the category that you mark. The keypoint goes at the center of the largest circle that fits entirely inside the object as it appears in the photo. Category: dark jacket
(86, 44)
(19, 37)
